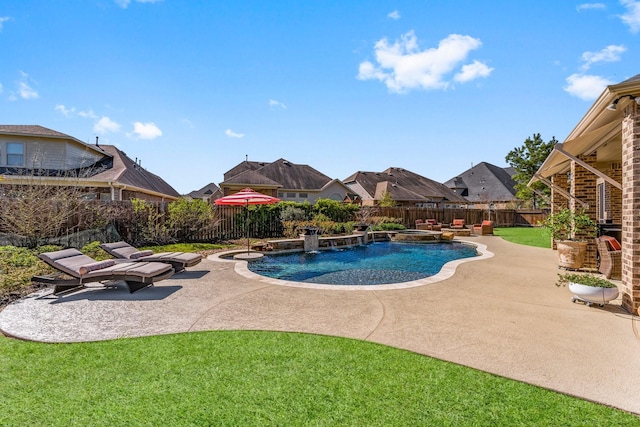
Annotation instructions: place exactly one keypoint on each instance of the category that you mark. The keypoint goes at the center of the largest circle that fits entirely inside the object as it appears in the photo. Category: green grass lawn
(265, 378)
(531, 236)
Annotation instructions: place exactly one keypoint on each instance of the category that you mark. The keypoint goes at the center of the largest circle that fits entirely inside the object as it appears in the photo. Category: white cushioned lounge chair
(179, 260)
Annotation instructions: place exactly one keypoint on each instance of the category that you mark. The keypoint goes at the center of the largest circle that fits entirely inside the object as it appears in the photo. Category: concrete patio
(502, 315)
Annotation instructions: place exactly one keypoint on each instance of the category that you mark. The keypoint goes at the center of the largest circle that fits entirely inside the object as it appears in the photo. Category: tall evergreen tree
(526, 160)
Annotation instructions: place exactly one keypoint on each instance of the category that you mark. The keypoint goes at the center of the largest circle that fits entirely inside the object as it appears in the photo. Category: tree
(526, 160)
(36, 210)
(190, 217)
(387, 200)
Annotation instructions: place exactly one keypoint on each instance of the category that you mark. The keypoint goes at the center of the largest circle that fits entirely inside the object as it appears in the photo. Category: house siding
(50, 154)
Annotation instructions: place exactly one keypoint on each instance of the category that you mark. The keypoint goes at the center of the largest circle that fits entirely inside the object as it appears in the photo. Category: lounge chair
(83, 269)
(457, 224)
(485, 228)
(179, 260)
(610, 253)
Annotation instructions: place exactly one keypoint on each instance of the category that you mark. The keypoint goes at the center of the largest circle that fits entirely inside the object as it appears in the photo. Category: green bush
(293, 213)
(388, 226)
(18, 265)
(336, 211)
(94, 251)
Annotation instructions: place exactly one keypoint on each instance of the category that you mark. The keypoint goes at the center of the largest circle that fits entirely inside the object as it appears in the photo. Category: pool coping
(242, 268)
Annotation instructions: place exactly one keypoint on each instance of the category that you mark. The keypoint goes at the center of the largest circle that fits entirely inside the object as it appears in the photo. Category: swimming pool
(372, 264)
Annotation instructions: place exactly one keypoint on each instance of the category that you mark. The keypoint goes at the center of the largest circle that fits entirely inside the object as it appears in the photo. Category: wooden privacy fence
(500, 217)
(264, 223)
(232, 219)
(232, 223)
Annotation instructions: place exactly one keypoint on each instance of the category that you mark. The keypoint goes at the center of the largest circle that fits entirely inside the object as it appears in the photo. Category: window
(291, 195)
(303, 195)
(15, 154)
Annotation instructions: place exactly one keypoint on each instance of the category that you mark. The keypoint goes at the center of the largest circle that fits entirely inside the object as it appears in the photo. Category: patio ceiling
(558, 162)
(598, 131)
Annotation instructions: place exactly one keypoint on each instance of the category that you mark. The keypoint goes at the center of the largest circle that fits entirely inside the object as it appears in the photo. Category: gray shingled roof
(242, 167)
(126, 171)
(205, 191)
(427, 189)
(281, 173)
(485, 182)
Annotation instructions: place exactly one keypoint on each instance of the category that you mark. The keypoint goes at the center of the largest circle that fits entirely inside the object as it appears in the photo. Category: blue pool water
(373, 264)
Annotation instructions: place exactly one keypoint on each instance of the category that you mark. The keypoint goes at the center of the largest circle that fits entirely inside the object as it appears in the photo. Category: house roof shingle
(485, 182)
(281, 173)
(126, 171)
(409, 183)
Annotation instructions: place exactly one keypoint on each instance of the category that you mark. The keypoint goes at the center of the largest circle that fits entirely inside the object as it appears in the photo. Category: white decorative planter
(591, 294)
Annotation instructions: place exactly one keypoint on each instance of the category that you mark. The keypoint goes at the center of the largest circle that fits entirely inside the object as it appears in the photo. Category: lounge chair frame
(68, 280)
(178, 260)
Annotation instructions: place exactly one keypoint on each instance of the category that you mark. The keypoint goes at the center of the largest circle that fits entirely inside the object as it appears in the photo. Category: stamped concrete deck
(501, 315)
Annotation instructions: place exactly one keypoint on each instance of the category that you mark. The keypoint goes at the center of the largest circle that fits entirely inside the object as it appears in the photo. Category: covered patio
(597, 170)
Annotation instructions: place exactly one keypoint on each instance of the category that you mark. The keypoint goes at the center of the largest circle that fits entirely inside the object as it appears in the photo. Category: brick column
(584, 187)
(630, 288)
(613, 196)
(558, 201)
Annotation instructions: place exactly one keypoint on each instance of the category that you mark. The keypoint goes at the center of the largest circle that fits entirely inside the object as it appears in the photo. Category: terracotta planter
(592, 294)
(571, 254)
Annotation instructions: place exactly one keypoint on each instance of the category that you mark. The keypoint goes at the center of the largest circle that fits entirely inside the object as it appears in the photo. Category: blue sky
(192, 87)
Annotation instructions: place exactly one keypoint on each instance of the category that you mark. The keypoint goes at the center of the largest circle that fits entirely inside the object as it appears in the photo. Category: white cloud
(274, 103)
(64, 110)
(395, 15)
(610, 53)
(591, 6)
(25, 91)
(146, 130)
(473, 71)
(71, 112)
(106, 125)
(586, 87)
(125, 3)
(1, 89)
(232, 134)
(89, 114)
(402, 66)
(3, 19)
(632, 16)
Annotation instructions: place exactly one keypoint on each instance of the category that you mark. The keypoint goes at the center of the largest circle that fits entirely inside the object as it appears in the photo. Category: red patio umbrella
(245, 198)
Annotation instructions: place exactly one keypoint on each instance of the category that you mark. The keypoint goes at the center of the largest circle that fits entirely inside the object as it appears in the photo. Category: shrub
(18, 265)
(388, 226)
(336, 211)
(293, 213)
(94, 251)
(189, 217)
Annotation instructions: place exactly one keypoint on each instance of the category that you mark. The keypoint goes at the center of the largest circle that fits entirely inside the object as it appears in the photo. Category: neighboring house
(597, 170)
(29, 153)
(208, 193)
(406, 188)
(486, 186)
(288, 181)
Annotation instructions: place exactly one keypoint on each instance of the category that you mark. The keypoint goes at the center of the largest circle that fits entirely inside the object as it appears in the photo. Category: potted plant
(588, 288)
(568, 230)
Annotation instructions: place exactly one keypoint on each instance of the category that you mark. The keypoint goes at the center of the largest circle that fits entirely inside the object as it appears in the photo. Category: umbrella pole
(248, 244)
